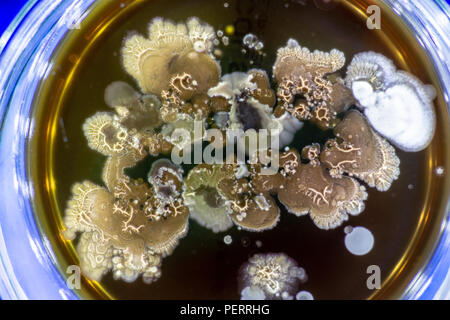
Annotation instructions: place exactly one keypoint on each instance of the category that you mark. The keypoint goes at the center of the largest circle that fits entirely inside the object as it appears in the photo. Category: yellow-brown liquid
(405, 220)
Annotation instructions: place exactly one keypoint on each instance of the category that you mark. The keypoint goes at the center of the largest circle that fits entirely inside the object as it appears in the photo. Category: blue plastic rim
(27, 264)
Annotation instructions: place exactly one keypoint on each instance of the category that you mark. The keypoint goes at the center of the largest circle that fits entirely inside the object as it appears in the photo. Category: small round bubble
(359, 241)
(348, 229)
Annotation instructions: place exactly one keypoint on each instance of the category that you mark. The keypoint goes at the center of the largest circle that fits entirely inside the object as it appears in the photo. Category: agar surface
(128, 226)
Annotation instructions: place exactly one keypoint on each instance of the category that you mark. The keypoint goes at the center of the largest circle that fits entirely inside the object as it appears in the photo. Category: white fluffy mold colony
(397, 104)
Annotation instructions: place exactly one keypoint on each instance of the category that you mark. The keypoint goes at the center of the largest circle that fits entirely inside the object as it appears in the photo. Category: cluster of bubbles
(252, 42)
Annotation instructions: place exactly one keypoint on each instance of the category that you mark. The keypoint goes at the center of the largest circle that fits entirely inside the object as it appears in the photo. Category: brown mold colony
(312, 190)
(304, 88)
(273, 181)
(106, 135)
(171, 50)
(128, 225)
(361, 153)
(271, 276)
(245, 102)
(241, 94)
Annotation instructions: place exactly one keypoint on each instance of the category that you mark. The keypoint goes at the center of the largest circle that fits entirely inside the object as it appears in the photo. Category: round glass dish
(28, 266)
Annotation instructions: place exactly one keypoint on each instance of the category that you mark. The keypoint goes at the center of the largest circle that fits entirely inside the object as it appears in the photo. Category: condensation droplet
(258, 243)
(226, 4)
(359, 241)
(410, 186)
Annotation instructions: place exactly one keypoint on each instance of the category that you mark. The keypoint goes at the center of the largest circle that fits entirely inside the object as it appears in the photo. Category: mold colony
(129, 225)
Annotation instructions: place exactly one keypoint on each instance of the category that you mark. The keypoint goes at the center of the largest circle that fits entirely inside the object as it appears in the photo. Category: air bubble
(359, 241)
(304, 295)
(252, 42)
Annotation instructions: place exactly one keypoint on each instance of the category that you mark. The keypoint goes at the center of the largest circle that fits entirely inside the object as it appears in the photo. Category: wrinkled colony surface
(127, 226)
(270, 276)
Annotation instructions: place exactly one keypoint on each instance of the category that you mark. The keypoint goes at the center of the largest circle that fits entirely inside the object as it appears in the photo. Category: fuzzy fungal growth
(397, 104)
